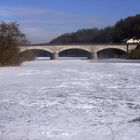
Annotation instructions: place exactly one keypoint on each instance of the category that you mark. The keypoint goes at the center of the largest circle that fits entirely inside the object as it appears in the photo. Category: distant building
(133, 41)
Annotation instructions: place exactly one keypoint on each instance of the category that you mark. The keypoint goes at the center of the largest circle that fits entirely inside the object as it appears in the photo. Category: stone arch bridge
(92, 49)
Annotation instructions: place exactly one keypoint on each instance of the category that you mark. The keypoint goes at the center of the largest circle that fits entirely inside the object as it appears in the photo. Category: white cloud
(25, 11)
(42, 25)
(37, 35)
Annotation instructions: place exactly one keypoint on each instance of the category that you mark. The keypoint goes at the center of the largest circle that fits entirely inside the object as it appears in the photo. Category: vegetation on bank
(135, 54)
(120, 32)
(10, 39)
(27, 55)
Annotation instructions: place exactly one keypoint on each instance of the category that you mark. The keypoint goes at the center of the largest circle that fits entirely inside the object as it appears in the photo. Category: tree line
(124, 29)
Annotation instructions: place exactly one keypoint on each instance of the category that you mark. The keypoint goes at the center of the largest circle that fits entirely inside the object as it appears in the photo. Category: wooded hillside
(123, 29)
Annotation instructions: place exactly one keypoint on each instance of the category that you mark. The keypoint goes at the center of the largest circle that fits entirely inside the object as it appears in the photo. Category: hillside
(123, 29)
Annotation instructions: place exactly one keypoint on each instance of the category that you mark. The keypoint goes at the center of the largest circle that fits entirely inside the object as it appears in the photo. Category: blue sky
(43, 20)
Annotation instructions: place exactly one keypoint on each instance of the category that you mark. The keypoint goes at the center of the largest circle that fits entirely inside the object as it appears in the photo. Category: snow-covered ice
(70, 100)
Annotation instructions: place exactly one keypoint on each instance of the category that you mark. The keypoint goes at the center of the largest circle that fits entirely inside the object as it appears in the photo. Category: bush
(27, 55)
(9, 56)
(135, 54)
(10, 38)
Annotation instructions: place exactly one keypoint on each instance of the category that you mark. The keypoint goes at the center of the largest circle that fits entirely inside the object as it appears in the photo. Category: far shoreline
(116, 60)
(99, 60)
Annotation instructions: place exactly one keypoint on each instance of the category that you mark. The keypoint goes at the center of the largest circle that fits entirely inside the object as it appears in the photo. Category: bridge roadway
(92, 49)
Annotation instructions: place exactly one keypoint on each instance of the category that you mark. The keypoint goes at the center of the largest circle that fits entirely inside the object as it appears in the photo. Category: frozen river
(70, 100)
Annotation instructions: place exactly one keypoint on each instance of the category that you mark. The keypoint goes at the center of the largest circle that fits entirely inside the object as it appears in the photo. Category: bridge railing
(74, 44)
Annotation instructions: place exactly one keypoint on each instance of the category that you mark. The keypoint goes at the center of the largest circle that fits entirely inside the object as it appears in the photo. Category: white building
(133, 41)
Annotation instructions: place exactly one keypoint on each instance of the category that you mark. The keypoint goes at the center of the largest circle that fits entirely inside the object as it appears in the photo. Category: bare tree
(10, 38)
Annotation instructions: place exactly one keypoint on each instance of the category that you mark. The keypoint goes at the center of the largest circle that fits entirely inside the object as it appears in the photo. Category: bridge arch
(111, 53)
(22, 49)
(86, 48)
(74, 49)
(41, 53)
(74, 52)
(111, 47)
(37, 52)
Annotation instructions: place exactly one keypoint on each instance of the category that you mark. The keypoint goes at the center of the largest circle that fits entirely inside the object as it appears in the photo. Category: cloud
(46, 16)
(46, 30)
(42, 25)
(37, 35)
(25, 11)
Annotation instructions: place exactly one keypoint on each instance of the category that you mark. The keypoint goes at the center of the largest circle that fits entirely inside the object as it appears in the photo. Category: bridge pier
(55, 56)
(93, 56)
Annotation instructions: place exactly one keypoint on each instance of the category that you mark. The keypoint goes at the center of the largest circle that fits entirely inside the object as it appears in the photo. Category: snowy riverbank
(70, 100)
